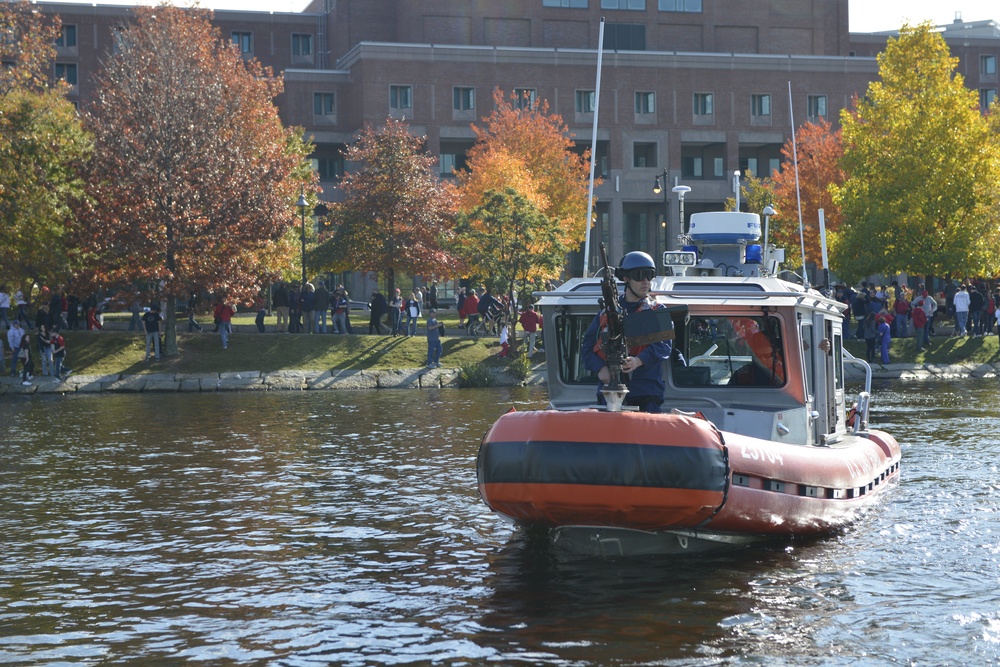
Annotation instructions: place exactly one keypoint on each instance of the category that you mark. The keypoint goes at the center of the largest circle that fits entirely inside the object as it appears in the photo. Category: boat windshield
(730, 351)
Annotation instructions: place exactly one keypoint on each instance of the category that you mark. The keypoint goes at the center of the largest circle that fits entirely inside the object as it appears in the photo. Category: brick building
(691, 90)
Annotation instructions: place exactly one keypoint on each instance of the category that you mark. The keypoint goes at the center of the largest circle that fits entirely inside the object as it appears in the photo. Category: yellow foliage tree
(527, 149)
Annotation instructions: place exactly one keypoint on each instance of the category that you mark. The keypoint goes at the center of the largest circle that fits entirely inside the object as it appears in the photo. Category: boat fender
(852, 415)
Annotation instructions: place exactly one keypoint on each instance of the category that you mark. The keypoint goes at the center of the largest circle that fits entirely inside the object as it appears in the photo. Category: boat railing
(864, 397)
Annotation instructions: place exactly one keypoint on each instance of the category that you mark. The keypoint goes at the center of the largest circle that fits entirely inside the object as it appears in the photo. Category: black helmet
(634, 260)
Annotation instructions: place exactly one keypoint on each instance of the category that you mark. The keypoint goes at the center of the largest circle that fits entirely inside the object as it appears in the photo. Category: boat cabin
(754, 354)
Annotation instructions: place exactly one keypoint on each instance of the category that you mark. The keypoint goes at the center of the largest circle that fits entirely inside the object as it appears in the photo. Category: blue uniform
(645, 384)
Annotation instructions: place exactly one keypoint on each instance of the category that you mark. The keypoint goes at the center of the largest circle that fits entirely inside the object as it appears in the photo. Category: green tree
(922, 170)
(194, 177)
(41, 145)
(397, 214)
(514, 242)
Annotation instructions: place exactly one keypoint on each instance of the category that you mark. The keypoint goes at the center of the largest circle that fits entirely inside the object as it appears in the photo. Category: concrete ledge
(414, 378)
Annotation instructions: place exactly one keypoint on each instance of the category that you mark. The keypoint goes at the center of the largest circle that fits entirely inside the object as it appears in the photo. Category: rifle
(613, 340)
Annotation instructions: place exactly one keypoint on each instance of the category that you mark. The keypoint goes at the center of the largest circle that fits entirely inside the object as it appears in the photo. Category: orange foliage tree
(529, 150)
(397, 214)
(819, 153)
(194, 178)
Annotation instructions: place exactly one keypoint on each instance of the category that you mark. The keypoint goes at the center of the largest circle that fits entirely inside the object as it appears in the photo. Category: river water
(345, 528)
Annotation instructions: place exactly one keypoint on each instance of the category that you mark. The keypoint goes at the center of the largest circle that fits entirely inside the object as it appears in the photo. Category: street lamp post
(657, 189)
(302, 203)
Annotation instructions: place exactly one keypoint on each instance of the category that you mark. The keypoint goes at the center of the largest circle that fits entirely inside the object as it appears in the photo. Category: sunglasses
(640, 274)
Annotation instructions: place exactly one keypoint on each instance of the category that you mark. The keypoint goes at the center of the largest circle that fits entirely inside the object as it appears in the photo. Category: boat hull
(633, 471)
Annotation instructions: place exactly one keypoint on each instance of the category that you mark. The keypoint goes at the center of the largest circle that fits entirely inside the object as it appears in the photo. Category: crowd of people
(42, 336)
(877, 314)
(307, 309)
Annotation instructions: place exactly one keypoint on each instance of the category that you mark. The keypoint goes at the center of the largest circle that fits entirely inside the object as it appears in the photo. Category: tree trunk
(170, 328)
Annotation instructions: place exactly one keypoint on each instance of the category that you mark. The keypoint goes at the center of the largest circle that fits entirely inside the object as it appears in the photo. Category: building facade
(691, 90)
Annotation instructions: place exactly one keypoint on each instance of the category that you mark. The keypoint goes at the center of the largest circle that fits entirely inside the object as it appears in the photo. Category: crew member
(642, 370)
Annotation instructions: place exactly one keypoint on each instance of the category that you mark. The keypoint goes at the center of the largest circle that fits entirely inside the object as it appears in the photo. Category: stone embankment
(384, 379)
(422, 378)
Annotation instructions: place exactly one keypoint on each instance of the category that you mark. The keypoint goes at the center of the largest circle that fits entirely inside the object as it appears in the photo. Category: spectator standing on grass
(192, 305)
(280, 302)
(59, 355)
(14, 335)
(151, 321)
(395, 313)
(4, 306)
(339, 307)
(377, 306)
(21, 304)
(135, 322)
(460, 306)
(322, 303)
(43, 342)
(977, 302)
(530, 322)
(28, 365)
(919, 318)
(224, 312)
(261, 307)
(960, 301)
(471, 305)
(308, 301)
(412, 313)
(434, 347)
(902, 310)
(869, 329)
(884, 338)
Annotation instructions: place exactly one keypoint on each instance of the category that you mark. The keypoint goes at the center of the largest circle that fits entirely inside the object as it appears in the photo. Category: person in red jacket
(530, 322)
(224, 316)
(471, 308)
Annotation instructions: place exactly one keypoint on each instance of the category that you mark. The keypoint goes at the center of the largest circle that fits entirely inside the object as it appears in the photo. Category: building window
(243, 41)
(302, 45)
(718, 167)
(773, 166)
(329, 168)
(67, 38)
(680, 5)
(66, 72)
(324, 104)
(643, 154)
(760, 105)
(645, 103)
(524, 98)
(624, 37)
(704, 104)
(987, 64)
(463, 99)
(572, 4)
(634, 5)
(585, 101)
(400, 97)
(986, 97)
(817, 106)
(691, 167)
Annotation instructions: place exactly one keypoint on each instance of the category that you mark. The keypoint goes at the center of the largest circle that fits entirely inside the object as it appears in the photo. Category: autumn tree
(819, 150)
(396, 216)
(42, 142)
(513, 240)
(194, 178)
(922, 170)
(526, 148)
